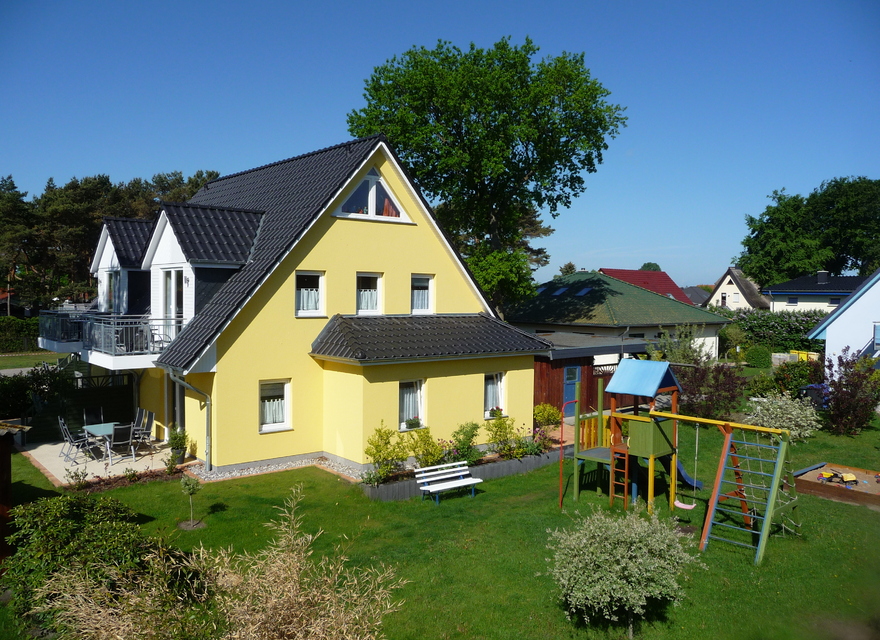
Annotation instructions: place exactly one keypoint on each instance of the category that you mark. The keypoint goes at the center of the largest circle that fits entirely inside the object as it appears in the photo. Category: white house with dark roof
(296, 307)
(822, 292)
(735, 291)
(854, 323)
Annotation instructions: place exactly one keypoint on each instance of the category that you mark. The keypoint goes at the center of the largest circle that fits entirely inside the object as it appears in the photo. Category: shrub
(65, 531)
(505, 439)
(679, 345)
(547, 415)
(613, 567)
(761, 385)
(781, 411)
(190, 485)
(759, 356)
(853, 392)
(779, 330)
(732, 341)
(387, 451)
(791, 376)
(462, 447)
(709, 390)
(424, 448)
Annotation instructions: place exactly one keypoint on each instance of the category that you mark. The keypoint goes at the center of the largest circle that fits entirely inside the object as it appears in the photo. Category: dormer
(123, 287)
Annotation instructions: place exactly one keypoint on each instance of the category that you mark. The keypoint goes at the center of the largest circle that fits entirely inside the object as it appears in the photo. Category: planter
(178, 455)
(488, 469)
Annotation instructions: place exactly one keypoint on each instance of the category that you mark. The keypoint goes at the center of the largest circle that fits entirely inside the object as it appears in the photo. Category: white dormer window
(372, 200)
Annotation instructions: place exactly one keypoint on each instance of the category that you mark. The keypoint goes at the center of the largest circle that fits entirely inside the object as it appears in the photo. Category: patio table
(103, 430)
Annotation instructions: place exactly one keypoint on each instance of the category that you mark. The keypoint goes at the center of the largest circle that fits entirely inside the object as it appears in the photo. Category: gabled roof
(748, 288)
(383, 339)
(656, 281)
(818, 332)
(213, 234)
(821, 283)
(292, 193)
(590, 298)
(697, 295)
(130, 237)
(641, 378)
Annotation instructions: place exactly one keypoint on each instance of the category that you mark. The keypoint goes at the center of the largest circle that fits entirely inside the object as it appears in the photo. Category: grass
(476, 567)
(27, 360)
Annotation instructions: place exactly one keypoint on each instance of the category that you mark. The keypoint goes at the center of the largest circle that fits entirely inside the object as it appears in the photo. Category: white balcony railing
(113, 335)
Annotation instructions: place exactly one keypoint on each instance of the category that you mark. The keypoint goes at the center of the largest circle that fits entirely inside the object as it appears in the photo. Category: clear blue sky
(726, 101)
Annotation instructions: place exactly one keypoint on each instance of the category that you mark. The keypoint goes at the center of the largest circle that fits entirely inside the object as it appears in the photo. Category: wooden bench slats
(432, 480)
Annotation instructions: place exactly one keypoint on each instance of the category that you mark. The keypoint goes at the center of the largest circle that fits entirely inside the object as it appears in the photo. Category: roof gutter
(186, 385)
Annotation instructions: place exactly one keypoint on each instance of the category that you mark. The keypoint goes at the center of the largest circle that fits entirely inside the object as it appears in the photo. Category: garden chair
(122, 437)
(74, 445)
(93, 415)
(143, 430)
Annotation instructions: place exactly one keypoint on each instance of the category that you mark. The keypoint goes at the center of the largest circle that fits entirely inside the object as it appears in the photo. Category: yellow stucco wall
(334, 407)
(151, 393)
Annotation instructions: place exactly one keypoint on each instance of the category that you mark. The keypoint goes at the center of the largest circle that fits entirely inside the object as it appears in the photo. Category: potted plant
(178, 442)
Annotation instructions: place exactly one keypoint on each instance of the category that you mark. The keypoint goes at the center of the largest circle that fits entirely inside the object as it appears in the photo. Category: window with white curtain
(493, 394)
(274, 405)
(371, 198)
(410, 402)
(367, 293)
(420, 294)
(309, 293)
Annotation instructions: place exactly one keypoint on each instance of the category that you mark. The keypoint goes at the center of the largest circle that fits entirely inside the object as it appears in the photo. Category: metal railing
(114, 335)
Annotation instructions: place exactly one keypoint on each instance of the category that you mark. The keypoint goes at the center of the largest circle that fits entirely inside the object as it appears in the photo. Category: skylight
(584, 291)
(560, 290)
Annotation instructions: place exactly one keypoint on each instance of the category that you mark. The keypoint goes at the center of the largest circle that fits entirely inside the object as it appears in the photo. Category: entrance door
(569, 390)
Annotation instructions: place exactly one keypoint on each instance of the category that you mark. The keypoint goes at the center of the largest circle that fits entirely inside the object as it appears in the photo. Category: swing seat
(682, 505)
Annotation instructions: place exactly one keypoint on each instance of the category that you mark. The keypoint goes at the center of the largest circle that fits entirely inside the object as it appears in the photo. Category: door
(571, 377)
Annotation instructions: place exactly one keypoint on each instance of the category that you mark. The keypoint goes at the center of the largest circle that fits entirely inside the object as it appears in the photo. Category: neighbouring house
(594, 320)
(855, 323)
(735, 291)
(697, 295)
(287, 311)
(656, 281)
(822, 292)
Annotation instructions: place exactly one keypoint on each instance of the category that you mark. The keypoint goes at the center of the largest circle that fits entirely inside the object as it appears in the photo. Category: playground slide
(683, 476)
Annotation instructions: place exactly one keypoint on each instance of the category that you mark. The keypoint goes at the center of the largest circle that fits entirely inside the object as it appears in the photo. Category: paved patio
(46, 457)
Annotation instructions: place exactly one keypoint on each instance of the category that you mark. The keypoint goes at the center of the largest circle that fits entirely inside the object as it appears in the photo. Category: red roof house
(656, 281)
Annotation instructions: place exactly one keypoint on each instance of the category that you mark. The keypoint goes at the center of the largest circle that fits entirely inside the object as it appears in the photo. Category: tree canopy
(650, 266)
(491, 135)
(833, 229)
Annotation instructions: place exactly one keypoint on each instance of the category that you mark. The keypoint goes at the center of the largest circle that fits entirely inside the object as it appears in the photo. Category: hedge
(17, 334)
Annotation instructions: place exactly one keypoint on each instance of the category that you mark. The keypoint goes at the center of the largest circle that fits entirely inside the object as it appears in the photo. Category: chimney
(822, 277)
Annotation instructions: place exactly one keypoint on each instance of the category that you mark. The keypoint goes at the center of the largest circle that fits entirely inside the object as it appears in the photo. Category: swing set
(754, 469)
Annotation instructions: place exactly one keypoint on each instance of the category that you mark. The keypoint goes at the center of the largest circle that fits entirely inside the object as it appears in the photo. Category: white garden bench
(441, 477)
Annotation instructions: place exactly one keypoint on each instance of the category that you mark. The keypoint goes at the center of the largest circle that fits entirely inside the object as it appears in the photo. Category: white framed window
(274, 405)
(421, 293)
(493, 394)
(309, 293)
(411, 405)
(833, 302)
(736, 297)
(368, 293)
(372, 199)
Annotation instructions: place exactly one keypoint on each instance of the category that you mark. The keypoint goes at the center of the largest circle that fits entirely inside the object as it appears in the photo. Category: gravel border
(198, 469)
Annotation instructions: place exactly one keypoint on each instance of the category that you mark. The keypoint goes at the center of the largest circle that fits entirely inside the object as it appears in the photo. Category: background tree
(650, 266)
(16, 225)
(491, 135)
(834, 229)
(567, 269)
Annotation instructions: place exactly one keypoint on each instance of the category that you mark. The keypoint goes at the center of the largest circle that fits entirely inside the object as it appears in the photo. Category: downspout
(187, 385)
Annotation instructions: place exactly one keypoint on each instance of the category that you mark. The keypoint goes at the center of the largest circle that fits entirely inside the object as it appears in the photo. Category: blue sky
(726, 101)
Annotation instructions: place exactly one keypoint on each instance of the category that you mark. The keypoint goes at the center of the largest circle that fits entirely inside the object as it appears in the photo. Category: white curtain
(419, 298)
(492, 396)
(272, 403)
(308, 299)
(409, 400)
(368, 300)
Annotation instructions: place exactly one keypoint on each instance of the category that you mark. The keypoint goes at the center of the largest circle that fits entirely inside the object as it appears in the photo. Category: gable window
(411, 409)
(274, 405)
(371, 198)
(309, 293)
(792, 301)
(420, 294)
(493, 394)
(367, 294)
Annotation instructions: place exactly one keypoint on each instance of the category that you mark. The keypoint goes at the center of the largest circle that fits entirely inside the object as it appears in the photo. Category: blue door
(570, 379)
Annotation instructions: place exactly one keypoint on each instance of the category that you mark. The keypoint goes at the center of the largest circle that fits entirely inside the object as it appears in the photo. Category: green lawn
(476, 567)
(27, 360)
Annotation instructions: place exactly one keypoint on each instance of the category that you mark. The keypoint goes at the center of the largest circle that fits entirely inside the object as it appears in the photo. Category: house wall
(734, 298)
(333, 408)
(169, 255)
(854, 327)
(805, 302)
(151, 396)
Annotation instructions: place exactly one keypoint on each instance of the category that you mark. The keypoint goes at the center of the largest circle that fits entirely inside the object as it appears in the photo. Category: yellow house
(296, 307)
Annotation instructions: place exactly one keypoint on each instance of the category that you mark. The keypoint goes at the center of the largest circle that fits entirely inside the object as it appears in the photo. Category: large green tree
(491, 134)
(834, 229)
(16, 228)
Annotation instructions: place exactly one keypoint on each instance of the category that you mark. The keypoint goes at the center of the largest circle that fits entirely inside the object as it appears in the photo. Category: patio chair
(93, 415)
(122, 437)
(143, 430)
(74, 445)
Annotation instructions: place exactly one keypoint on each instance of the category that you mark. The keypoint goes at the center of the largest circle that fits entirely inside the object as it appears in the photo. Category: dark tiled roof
(370, 339)
(130, 237)
(748, 288)
(213, 234)
(697, 295)
(590, 298)
(292, 193)
(656, 281)
(812, 285)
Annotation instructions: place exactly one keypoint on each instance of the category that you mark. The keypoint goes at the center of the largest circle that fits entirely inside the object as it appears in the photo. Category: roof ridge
(662, 295)
(193, 205)
(299, 157)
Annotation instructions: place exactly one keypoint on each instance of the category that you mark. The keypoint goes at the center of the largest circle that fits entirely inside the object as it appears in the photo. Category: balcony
(109, 341)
